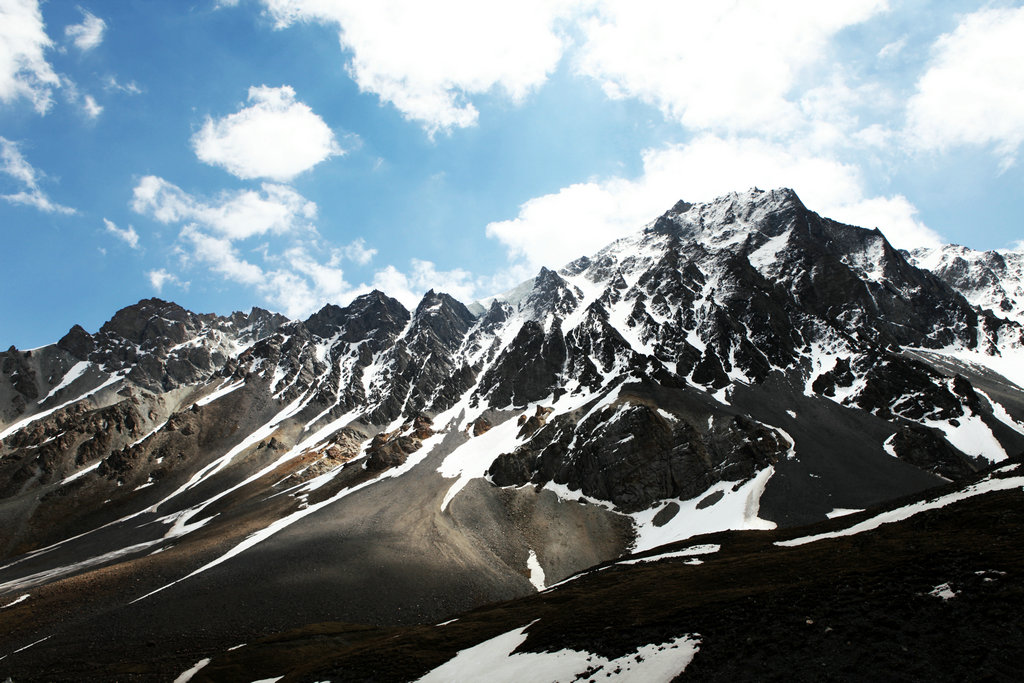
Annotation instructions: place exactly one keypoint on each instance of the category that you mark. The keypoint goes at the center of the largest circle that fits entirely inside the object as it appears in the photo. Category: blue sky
(287, 153)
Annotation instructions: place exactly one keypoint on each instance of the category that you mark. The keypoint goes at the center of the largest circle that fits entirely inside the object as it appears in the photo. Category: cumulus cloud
(714, 66)
(233, 215)
(429, 59)
(973, 90)
(276, 137)
(722, 67)
(14, 165)
(24, 71)
(126, 235)
(88, 34)
(579, 219)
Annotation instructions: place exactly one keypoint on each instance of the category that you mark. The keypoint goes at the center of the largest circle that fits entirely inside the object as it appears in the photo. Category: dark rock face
(422, 372)
(528, 369)
(552, 295)
(927, 449)
(78, 343)
(19, 373)
(373, 316)
(632, 454)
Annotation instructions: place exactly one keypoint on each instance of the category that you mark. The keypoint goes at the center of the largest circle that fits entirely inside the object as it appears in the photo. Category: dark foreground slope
(936, 596)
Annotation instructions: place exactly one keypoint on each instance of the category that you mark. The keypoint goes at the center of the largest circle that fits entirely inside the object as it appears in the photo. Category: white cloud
(220, 253)
(299, 285)
(580, 219)
(112, 84)
(294, 281)
(714, 66)
(159, 278)
(88, 34)
(429, 58)
(275, 137)
(410, 287)
(13, 164)
(24, 71)
(973, 90)
(73, 95)
(92, 109)
(238, 215)
(128, 235)
(895, 216)
(358, 252)
(893, 49)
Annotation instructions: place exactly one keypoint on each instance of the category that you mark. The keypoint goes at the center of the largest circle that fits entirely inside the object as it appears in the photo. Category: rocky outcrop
(632, 454)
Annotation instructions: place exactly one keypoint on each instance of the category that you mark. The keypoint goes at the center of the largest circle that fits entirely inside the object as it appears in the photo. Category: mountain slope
(924, 589)
(741, 364)
(989, 279)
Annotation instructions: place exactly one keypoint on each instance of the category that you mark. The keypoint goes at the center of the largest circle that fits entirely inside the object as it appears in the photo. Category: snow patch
(263, 534)
(944, 591)
(842, 512)
(187, 676)
(972, 436)
(888, 447)
(471, 459)
(704, 549)
(737, 508)
(223, 390)
(22, 598)
(73, 373)
(494, 661)
(536, 571)
(80, 473)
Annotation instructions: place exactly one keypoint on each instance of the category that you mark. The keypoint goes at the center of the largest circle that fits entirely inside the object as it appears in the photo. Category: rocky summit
(243, 497)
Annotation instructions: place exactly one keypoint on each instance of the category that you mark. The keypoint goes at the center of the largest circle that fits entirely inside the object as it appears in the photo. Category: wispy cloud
(14, 165)
(88, 34)
(358, 252)
(160, 278)
(111, 84)
(126, 235)
(91, 108)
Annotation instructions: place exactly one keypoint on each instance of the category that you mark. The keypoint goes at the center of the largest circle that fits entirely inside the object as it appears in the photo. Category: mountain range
(647, 427)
